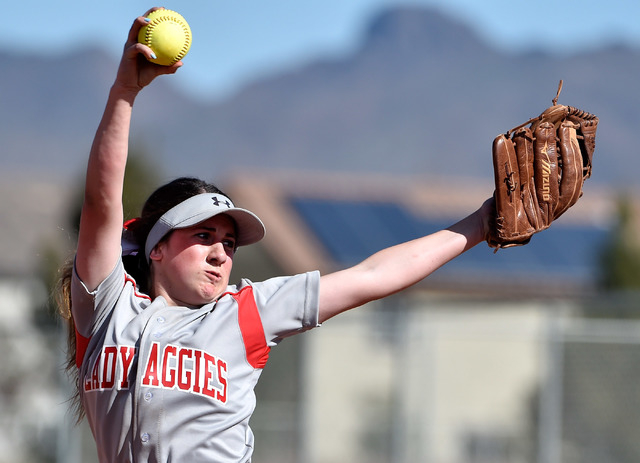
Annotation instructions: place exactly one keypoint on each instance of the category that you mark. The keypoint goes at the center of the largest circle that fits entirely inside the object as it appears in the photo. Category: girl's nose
(217, 254)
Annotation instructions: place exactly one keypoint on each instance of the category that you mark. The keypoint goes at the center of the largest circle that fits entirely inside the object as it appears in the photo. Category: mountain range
(421, 95)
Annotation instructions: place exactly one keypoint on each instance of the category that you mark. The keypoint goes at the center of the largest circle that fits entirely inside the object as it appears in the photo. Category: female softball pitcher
(165, 351)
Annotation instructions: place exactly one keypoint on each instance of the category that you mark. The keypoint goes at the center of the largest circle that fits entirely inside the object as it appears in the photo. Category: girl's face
(192, 266)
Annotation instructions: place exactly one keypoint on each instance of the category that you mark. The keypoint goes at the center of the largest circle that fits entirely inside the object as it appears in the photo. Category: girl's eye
(230, 244)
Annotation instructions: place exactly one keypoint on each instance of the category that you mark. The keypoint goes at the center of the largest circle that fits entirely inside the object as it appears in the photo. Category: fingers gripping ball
(168, 35)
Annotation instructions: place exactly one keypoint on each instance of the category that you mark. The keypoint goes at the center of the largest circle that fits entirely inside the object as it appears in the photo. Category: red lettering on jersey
(126, 356)
(151, 372)
(184, 375)
(109, 362)
(209, 362)
(196, 363)
(95, 373)
(107, 369)
(87, 384)
(190, 370)
(222, 377)
(168, 372)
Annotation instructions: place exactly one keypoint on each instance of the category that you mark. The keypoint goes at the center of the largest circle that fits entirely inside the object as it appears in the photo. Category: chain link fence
(447, 381)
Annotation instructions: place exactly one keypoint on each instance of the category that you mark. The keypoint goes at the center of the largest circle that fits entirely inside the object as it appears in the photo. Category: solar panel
(350, 231)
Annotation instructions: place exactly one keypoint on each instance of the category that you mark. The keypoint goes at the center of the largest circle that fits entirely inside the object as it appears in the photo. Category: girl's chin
(209, 295)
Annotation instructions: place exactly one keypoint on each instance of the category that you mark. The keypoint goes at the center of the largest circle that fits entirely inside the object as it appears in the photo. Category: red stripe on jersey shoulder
(127, 277)
(255, 343)
(81, 348)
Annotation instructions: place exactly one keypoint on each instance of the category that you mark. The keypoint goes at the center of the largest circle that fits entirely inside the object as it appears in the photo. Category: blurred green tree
(620, 257)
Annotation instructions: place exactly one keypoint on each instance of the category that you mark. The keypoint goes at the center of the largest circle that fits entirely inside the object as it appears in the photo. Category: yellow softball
(168, 35)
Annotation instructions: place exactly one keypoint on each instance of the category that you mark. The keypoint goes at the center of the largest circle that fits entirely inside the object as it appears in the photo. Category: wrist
(472, 228)
(124, 92)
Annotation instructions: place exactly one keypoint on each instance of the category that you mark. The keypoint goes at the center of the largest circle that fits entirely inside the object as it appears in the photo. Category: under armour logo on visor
(217, 202)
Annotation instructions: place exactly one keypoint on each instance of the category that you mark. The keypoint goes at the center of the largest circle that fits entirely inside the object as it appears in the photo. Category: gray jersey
(161, 383)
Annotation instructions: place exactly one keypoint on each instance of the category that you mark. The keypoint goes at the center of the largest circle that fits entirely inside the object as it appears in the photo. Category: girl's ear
(156, 252)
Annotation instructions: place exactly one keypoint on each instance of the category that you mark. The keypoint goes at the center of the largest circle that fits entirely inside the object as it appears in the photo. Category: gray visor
(201, 207)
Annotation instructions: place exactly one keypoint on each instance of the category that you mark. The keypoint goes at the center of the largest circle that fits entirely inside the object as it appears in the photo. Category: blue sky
(236, 41)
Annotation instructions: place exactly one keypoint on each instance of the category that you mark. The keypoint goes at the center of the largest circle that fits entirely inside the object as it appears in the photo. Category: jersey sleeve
(288, 305)
(91, 308)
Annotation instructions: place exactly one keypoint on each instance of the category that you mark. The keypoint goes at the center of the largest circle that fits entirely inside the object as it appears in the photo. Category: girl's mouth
(215, 276)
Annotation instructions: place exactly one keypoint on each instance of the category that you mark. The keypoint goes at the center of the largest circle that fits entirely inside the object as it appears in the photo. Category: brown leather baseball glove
(539, 168)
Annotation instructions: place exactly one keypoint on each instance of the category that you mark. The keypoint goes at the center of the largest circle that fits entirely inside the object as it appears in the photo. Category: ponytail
(62, 296)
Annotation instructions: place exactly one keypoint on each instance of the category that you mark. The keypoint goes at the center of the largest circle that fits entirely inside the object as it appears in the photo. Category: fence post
(550, 415)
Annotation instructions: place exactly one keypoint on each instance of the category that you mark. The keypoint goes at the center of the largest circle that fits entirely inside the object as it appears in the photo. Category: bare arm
(102, 216)
(398, 267)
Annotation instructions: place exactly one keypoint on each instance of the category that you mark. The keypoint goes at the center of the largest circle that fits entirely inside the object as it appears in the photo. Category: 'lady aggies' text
(171, 367)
